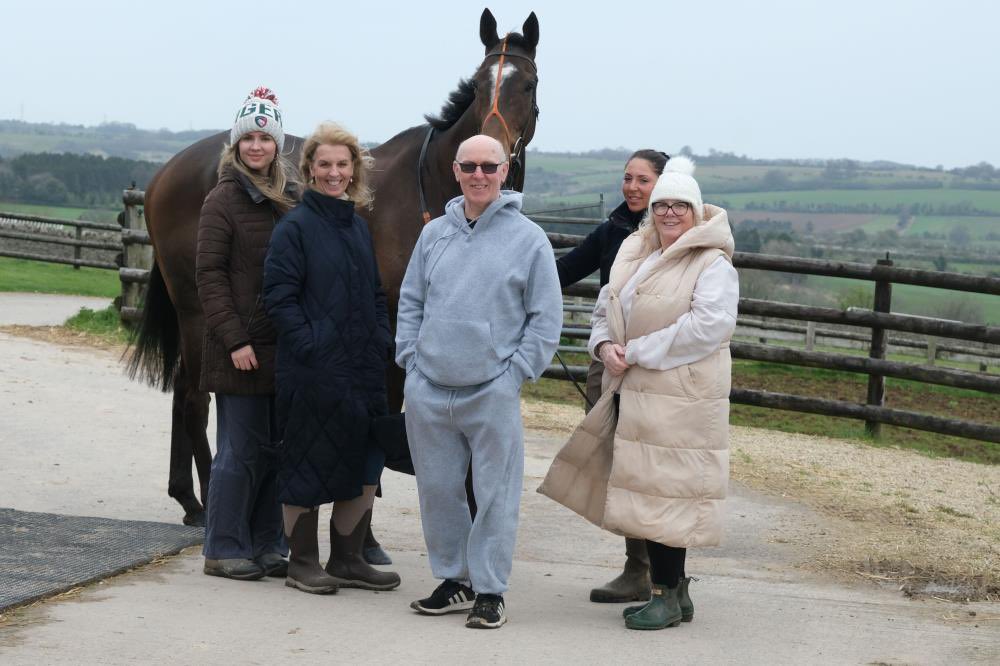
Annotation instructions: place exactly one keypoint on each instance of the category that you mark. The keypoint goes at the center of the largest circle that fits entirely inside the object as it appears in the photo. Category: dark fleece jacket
(599, 248)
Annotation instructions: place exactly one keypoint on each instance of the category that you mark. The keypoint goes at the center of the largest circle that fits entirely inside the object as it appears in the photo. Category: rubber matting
(42, 554)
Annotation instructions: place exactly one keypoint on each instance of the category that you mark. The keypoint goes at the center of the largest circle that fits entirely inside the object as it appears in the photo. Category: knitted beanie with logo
(259, 113)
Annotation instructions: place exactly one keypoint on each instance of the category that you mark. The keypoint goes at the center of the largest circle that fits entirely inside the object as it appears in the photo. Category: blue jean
(243, 516)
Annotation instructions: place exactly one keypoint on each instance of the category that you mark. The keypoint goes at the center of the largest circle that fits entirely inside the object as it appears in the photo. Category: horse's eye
(528, 87)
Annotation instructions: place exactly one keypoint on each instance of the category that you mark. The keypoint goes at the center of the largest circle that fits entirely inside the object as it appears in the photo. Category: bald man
(480, 312)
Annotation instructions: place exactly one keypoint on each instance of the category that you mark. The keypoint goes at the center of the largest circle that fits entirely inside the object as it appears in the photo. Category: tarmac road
(76, 437)
(44, 309)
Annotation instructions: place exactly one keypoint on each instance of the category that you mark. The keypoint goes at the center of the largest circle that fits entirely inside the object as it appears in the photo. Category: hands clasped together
(613, 357)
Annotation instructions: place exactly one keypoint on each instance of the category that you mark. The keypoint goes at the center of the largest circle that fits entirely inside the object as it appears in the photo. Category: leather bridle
(517, 147)
(516, 168)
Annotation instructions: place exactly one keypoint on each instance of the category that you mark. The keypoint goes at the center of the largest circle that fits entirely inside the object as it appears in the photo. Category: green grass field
(978, 227)
(988, 200)
(912, 299)
(43, 278)
(61, 212)
(575, 165)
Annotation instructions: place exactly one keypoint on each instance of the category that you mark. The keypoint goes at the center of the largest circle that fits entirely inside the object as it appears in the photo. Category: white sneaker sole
(480, 623)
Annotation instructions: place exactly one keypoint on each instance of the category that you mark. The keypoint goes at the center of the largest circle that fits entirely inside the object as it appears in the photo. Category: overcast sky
(906, 80)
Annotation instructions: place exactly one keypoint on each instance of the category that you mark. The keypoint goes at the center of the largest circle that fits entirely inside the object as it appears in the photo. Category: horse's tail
(155, 349)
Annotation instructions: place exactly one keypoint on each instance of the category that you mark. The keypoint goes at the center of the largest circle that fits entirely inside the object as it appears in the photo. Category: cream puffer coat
(657, 467)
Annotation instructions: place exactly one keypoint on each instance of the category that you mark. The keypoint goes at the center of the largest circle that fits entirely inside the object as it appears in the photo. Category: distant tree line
(68, 179)
(111, 139)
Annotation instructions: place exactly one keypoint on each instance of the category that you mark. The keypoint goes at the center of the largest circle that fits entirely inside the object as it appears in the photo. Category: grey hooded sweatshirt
(477, 301)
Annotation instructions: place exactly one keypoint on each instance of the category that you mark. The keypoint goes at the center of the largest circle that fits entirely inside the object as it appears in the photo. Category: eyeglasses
(487, 167)
(679, 208)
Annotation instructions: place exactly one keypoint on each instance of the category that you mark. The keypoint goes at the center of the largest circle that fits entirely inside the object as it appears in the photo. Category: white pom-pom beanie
(678, 184)
(259, 113)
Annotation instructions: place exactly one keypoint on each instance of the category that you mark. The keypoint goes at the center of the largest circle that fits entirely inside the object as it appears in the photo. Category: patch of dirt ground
(60, 335)
(929, 525)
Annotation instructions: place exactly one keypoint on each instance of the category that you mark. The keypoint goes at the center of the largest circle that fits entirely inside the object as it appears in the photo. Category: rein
(426, 214)
(573, 379)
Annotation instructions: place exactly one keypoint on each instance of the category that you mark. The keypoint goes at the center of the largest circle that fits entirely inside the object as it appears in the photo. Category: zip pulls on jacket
(257, 304)
(430, 269)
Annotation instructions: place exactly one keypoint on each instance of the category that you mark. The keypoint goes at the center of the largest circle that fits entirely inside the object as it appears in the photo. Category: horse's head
(505, 86)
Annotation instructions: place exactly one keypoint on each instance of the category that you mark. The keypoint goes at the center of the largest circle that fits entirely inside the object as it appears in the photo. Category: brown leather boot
(633, 584)
(304, 571)
(347, 564)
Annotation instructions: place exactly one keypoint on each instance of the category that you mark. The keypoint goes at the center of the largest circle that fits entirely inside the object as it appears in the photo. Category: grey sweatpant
(446, 429)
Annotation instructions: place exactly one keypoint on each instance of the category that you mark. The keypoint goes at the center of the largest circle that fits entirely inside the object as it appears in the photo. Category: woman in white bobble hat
(651, 459)
(243, 537)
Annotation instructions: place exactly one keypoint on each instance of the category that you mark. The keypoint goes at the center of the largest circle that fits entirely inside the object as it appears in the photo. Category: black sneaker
(449, 597)
(488, 613)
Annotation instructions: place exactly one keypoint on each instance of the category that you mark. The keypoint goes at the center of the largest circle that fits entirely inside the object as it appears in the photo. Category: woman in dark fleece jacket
(324, 295)
(598, 251)
(243, 527)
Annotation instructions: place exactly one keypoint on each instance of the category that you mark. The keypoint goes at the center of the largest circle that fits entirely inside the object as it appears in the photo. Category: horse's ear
(530, 31)
(488, 30)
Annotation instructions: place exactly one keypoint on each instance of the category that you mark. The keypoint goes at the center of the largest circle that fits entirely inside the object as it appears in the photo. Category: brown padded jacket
(234, 233)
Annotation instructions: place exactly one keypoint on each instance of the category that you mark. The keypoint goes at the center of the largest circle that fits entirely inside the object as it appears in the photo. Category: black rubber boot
(662, 611)
(633, 583)
(304, 571)
(683, 600)
(347, 565)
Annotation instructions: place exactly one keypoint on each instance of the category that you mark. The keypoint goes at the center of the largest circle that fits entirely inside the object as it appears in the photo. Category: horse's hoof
(194, 519)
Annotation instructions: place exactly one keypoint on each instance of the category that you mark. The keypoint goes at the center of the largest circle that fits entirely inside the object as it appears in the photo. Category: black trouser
(666, 563)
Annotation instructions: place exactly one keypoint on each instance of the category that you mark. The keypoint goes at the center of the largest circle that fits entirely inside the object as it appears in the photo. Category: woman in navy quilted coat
(324, 296)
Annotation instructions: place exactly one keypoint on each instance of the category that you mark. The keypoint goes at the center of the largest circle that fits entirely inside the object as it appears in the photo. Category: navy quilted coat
(323, 294)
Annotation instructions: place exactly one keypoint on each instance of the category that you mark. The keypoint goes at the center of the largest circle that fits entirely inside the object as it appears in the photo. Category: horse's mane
(459, 100)
(462, 97)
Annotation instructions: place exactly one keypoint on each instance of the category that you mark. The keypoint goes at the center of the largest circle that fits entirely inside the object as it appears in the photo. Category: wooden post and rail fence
(136, 260)
(128, 239)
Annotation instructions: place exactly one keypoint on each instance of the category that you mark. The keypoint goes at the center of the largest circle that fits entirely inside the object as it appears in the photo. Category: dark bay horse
(413, 180)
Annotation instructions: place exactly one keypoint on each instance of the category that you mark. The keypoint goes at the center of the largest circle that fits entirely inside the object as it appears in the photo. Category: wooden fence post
(76, 249)
(810, 335)
(135, 254)
(931, 351)
(876, 383)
